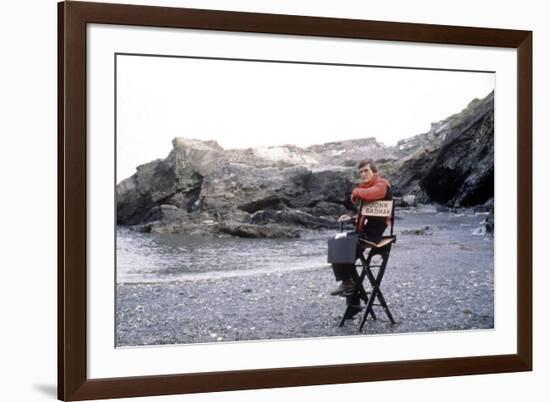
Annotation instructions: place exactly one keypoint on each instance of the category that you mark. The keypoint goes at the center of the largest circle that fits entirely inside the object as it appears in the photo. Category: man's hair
(369, 162)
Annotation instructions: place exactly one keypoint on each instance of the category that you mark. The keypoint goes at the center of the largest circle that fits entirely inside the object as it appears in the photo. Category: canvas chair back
(378, 209)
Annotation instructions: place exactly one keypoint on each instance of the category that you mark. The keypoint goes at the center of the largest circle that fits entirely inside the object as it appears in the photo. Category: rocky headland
(201, 188)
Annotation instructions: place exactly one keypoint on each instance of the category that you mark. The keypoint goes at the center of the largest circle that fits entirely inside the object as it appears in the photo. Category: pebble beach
(439, 278)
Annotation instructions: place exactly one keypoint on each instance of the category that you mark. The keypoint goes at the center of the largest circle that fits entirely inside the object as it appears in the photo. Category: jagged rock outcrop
(453, 163)
(278, 191)
(200, 189)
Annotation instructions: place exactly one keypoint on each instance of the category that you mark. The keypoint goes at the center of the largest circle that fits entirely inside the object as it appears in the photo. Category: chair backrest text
(377, 208)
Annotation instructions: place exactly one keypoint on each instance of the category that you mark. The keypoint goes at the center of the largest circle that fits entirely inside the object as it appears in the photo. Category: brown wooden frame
(73, 383)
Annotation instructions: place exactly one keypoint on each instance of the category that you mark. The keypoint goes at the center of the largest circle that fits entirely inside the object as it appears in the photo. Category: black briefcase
(342, 249)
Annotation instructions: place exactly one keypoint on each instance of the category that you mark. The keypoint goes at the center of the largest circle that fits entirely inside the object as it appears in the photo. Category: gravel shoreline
(426, 287)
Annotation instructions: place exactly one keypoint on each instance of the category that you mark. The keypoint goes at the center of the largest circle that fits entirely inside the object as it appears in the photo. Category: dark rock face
(462, 173)
(453, 163)
(203, 189)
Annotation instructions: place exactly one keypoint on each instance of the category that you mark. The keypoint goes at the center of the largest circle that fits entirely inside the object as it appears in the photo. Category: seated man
(371, 188)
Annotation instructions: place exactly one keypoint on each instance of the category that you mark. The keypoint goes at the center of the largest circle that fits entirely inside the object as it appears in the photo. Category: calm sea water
(145, 257)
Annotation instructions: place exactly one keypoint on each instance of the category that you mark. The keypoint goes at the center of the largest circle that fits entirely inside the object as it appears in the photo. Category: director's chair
(382, 248)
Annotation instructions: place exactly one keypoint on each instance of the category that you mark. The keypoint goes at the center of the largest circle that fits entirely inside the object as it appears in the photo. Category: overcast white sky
(244, 104)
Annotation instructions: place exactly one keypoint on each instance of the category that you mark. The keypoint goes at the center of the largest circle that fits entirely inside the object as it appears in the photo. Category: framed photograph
(257, 200)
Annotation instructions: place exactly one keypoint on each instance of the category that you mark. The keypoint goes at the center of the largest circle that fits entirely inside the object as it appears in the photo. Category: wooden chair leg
(376, 292)
(375, 281)
(379, 294)
(358, 292)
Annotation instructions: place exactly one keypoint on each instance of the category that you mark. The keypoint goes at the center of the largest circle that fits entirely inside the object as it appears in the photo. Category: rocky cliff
(277, 191)
(452, 164)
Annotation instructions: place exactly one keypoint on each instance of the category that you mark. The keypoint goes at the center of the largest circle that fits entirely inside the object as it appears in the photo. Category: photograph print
(266, 200)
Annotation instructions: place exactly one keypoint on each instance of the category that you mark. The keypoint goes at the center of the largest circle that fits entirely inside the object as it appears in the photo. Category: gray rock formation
(279, 191)
(201, 189)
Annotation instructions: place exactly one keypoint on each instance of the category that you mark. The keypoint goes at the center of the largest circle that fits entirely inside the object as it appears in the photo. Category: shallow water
(151, 258)
(158, 258)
